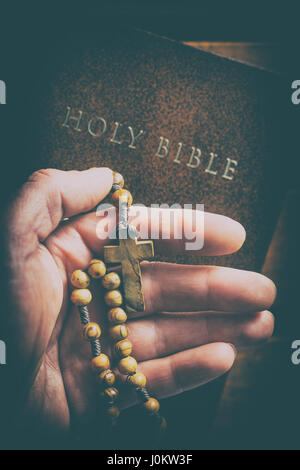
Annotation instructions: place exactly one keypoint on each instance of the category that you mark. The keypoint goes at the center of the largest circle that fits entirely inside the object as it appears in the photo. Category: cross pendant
(129, 254)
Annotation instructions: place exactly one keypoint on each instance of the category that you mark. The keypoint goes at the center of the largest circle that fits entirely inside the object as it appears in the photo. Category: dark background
(29, 29)
(26, 25)
(193, 20)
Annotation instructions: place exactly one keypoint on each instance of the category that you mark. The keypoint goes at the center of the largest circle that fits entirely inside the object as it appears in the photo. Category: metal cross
(129, 254)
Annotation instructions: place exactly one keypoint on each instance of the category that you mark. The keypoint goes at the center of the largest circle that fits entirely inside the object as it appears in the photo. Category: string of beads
(81, 296)
(117, 317)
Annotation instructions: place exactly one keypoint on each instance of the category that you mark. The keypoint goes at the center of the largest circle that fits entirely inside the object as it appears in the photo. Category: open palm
(194, 314)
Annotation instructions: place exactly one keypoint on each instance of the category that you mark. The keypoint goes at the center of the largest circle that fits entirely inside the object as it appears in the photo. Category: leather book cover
(182, 126)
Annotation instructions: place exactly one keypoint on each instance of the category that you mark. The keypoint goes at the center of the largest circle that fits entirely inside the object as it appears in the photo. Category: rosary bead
(91, 331)
(138, 379)
(117, 315)
(80, 279)
(111, 281)
(97, 268)
(112, 393)
(81, 297)
(122, 195)
(128, 365)
(101, 363)
(113, 298)
(119, 332)
(107, 377)
(152, 405)
(123, 348)
(113, 412)
(118, 179)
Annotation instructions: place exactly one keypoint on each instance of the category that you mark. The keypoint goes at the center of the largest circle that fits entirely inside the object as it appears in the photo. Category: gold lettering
(100, 132)
(196, 154)
(97, 126)
(114, 137)
(211, 161)
(230, 168)
(164, 145)
(73, 118)
(133, 137)
(180, 145)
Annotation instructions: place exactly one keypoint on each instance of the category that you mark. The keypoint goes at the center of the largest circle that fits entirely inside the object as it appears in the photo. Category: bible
(183, 126)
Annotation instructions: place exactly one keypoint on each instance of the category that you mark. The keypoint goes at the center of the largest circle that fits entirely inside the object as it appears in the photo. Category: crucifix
(129, 254)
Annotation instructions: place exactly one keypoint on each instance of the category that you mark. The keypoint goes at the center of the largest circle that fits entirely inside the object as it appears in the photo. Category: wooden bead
(107, 377)
(111, 393)
(117, 316)
(80, 279)
(123, 348)
(120, 196)
(101, 363)
(81, 297)
(137, 380)
(97, 268)
(111, 281)
(152, 405)
(119, 332)
(113, 298)
(91, 331)
(113, 412)
(118, 179)
(128, 365)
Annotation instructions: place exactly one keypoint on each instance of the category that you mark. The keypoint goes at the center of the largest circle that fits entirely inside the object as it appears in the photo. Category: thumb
(51, 195)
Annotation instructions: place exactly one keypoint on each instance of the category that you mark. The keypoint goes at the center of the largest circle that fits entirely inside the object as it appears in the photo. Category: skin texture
(187, 336)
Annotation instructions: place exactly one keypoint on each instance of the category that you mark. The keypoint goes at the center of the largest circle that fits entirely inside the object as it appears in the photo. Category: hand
(211, 310)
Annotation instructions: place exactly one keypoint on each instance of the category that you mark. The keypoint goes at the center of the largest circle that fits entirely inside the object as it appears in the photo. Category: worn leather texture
(187, 96)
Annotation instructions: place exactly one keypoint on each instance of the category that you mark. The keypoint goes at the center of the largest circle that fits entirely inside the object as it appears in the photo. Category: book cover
(183, 126)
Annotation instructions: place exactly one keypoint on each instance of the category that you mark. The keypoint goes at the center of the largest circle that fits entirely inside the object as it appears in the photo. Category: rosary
(123, 295)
